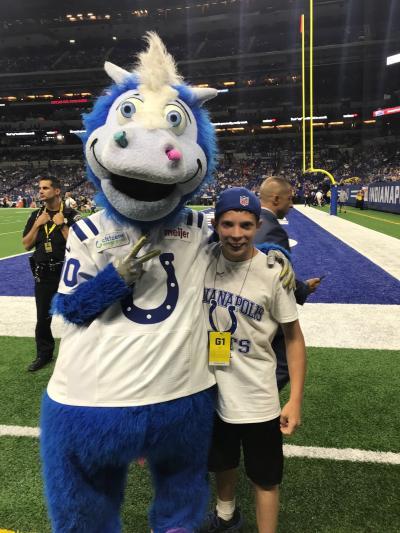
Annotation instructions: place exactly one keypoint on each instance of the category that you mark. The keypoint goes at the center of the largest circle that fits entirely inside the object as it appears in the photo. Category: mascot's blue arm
(91, 297)
(265, 247)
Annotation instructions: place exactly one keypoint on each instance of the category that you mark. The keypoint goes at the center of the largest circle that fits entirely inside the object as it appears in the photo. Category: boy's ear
(213, 224)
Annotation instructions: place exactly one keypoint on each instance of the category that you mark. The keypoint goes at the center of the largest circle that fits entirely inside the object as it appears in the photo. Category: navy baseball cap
(238, 199)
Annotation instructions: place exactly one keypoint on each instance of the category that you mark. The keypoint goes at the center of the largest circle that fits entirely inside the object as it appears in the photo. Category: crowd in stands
(243, 163)
(89, 53)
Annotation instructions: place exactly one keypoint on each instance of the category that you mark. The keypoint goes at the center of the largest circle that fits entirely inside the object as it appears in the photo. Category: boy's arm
(296, 357)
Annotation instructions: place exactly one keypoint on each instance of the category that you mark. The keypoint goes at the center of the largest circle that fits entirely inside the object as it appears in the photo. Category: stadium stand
(242, 49)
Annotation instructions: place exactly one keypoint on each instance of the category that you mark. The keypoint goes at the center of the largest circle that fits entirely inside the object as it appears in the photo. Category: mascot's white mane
(156, 67)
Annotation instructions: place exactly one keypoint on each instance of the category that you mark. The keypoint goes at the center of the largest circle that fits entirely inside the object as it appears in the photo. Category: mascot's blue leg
(178, 461)
(85, 453)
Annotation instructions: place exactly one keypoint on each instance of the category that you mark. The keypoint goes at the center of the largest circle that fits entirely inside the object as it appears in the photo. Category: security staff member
(47, 231)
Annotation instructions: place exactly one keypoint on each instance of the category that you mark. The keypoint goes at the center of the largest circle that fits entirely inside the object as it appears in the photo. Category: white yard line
(19, 431)
(341, 454)
(309, 452)
(10, 232)
(379, 248)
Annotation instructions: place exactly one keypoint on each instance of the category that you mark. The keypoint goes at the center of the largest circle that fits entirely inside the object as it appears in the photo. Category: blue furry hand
(130, 267)
(287, 275)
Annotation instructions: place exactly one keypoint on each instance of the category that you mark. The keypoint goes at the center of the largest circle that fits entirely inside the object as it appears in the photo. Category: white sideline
(289, 450)
(15, 255)
(361, 326)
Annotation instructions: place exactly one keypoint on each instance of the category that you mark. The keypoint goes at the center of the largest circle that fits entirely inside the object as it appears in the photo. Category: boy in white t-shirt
(246, 301)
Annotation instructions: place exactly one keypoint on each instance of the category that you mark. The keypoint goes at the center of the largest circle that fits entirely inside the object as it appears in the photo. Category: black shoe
(39, 363)
(214, 524)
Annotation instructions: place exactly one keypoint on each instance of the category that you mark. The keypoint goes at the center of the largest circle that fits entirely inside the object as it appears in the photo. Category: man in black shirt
(47, 231)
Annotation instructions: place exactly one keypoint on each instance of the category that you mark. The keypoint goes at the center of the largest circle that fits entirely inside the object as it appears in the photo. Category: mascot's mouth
(143, 191)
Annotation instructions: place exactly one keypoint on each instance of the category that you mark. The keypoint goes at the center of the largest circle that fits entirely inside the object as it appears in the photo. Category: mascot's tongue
(144, 191)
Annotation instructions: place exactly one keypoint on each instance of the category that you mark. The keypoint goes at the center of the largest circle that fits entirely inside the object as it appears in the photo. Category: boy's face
(236, 231)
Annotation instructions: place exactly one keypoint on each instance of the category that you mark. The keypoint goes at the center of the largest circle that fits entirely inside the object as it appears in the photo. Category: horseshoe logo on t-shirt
(162, 312)
(231, 310)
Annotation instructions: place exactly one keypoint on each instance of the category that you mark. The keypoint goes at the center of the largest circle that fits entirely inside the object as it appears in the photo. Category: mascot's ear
(117, 74)
(204, 94)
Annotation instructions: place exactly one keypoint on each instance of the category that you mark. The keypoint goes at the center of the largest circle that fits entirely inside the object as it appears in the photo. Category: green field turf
(12, 223)
(318, 496)
(351, 400)
(387, 223)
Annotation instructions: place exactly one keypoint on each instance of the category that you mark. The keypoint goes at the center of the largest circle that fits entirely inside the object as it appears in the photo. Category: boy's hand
(290, 417)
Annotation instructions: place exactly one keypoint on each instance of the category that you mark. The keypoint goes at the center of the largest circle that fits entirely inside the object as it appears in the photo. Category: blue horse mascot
(131, 379)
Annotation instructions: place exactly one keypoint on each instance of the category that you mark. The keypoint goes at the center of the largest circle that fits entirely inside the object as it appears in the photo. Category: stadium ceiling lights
(238, 122)
(19, 133)
(323, 117)
(391, 60)
(269, 120)
(351, 115)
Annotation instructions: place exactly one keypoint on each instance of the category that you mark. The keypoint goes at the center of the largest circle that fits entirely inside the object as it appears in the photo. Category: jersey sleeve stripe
(78, 232)
(200, 219)
(190, 218)
(91, 226)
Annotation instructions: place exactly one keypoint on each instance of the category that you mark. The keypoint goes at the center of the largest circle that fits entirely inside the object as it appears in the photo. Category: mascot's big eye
(127, 109)
(175, 118)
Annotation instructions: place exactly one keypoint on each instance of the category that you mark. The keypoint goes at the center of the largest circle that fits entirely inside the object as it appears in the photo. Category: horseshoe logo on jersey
(231, 309)
(154, 316)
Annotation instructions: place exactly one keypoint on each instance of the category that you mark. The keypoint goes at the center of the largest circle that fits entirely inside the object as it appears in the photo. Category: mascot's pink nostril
(174, 154)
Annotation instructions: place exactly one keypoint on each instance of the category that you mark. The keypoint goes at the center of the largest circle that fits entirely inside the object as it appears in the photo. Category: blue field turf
(350, 277)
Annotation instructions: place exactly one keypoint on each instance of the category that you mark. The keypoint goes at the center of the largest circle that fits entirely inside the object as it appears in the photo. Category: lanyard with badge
(219, 342)
(48, 248)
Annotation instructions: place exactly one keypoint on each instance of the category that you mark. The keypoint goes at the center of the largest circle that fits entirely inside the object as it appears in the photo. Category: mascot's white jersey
(118, 358)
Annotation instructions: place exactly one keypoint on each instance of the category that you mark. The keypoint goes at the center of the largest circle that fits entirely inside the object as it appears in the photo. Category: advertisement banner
(381, 195)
